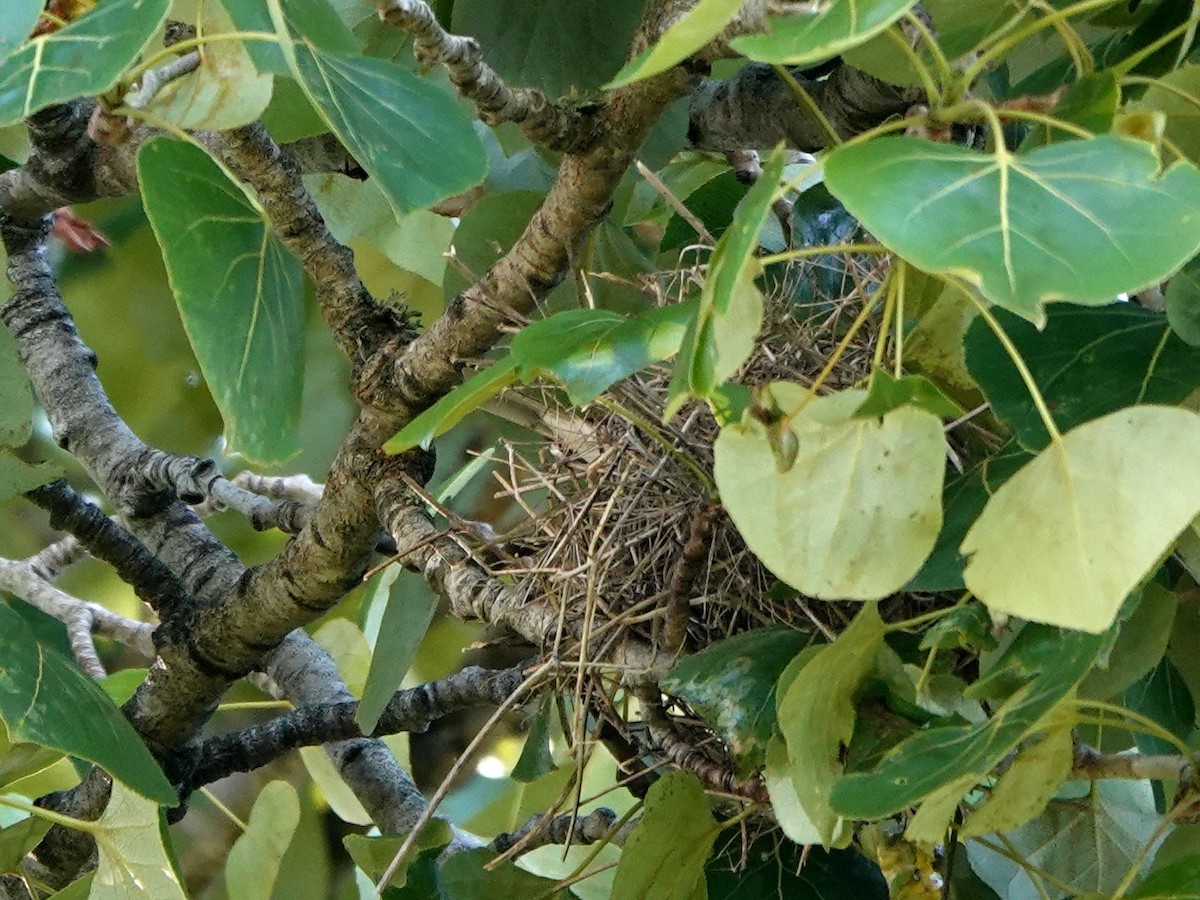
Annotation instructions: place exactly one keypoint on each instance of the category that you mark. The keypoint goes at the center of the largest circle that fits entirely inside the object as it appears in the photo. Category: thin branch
(540, 831)
(409, 710)
(52, 561)
(567, 129)
(1094, 765)
(155, 80)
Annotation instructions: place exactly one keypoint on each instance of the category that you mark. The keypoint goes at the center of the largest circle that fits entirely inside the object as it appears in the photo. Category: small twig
(667, 194)
(155, 80)
(540, 831)
(51, 561)
(687, 570)
(79, 633)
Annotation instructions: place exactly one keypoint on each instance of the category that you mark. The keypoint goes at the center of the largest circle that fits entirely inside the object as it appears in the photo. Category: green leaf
(731, 306)
(886, 393)
(562, 48)
(255, 857)
(454, 407)
(84, 59)
(1047, 662)
(1140, 645)
(1080, 221)
(808, 37)
(239, 293)
(407, 133)
(134, 863)
(962, 501)
(1086, 362)
(1163, 697)
(79, 889)
(17, 476)
(769, 868)
(313, 18)
(1177, 94)
(816, 718)
(1025, 788)
(731, 684)
(1091, 103)
(19, 760)
(1183, 303)
(1068, 537)
(17, 24)
(590, 350)
(683, 176)
(1179, 879)
(46, 699)
(692, 33)
(785, 802)
(967, 626)
(120, 686)
(226, 90)
(488, 229)
(18, 839)
(406, 618)
(664, 857)
(469, 876)
(886, 476)
(536, 759)
(1088, 842)
(375, 854)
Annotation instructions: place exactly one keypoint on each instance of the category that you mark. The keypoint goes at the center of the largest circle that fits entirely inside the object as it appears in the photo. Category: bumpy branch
(409, 710)
(556, 126)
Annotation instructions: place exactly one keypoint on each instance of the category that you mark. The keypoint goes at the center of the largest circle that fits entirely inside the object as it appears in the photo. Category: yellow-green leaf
(1068, 537)
(254, 859)
(835, 26)
(134, 864)
(699, 25)
(859, 510)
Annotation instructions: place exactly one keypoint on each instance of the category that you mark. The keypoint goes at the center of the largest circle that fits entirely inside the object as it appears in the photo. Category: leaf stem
(806, 252)
(1145, 724)
(1122, 68)
(1014, 354)
(927, 82)
(805, 99)
(48, 814)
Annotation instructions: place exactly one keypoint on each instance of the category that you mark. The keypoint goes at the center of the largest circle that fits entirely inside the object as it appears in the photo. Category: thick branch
(757, 109)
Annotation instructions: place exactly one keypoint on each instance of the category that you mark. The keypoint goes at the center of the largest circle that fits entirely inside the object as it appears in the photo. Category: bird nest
(622, 532)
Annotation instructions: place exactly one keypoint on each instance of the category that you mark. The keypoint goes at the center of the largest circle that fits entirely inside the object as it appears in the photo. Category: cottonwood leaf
(770, 868)
(408, 134)
(374, 855)
(837, 26)
(664, 857)
(252, 866)
(46, 699)
(1068, 537)
(18, 839)
(226, 90)
(16, 396)
(693, 32)
(816, 719)
(1088, 842)
(17, 23)
(859, 510)
(566, 49)
(731, 307)
(134, 862)
(1040, 668)
(454, 407)
(1183, 303)
(1086, 363)
(1080, 221)
(785, 801)
(590, 350)
(1175, 94)
(333, 789)
(731, 684)
(83, 59)
(406, 618)
(239, 292)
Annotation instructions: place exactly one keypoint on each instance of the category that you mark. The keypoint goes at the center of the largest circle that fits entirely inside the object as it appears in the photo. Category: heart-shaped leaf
(47, 700)
(408, 134)
(1068, 537)
(255, 857)
(1080, 221)
(133, 860)
(81, 60)
(860, 508)
(239, 291)
(836, 26)
(17, 23)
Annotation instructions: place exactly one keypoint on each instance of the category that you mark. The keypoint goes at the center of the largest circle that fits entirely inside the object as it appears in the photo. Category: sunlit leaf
(785, 802)
(816, 718)
(886, 393)
(224, 92)
(46, 699)
(134, 864)
(1080, 221)
(1068, 537)
(837, 25)
(1042, 666)
(239, 293)
(83, 59)
(699, 25)
(407, 133)
(255, 857)
(886, 476)
(1086, 363)
(731, 683)
(664, 857)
